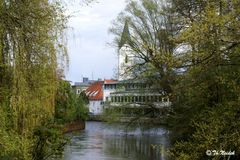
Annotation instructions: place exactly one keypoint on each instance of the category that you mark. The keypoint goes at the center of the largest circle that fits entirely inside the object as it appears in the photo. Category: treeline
(32, 50)
(69, 106)
(191, 50)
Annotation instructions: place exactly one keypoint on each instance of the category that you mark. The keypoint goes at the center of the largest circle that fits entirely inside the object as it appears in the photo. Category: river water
(102, 141)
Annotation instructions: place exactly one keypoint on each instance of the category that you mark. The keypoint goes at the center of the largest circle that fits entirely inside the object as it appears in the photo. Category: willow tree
(31, 46)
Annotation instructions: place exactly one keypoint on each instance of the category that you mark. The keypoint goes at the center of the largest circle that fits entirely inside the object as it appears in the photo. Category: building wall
(125, 60)
(78, 89)
(107, 90)
(96, 107)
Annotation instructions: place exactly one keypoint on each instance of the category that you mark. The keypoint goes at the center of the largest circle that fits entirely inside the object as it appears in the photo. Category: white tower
(125, 55)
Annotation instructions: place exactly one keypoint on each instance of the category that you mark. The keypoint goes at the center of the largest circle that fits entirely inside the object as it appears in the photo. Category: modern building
(125, 93)
(109, 87)
(130, 93)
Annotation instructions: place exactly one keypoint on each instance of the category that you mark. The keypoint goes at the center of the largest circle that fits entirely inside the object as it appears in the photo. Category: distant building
(78, 87)
(137, 93)
(127, 92)
(95, 96)
(109, 87)
(126, 58)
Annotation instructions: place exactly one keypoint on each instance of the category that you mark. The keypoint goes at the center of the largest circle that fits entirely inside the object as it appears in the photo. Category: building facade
(130, 93)
(95, 95)
(109, 87)
(79, 87)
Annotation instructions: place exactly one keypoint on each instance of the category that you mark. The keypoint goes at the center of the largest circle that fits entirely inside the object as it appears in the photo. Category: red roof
(109, 81)
(94, 91)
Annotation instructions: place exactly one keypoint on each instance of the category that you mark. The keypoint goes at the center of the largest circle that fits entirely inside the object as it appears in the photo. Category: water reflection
(101, 141)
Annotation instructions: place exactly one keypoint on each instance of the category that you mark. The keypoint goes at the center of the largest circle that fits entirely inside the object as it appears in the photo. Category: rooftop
(94, 91)
(110, 81)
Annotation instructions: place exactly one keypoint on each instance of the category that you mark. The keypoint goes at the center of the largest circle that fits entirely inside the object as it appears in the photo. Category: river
(102, 141)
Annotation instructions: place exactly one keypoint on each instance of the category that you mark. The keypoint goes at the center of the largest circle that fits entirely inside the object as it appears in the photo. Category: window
(125, 99)
(118, 99)
(140, 98)
(121, 99)
(136, 99)
(132, 99)
(133, 86)
(144, 98)
(128, 99)
(148, 99)
(78, 91)
(126, 59)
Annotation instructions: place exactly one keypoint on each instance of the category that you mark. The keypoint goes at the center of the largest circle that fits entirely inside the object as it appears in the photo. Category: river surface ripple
(102, 141)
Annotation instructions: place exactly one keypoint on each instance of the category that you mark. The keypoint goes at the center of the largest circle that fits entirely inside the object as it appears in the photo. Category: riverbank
(74, 126)
(144, 120)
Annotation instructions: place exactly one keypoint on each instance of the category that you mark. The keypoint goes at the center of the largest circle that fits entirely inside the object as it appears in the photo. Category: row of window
(138, 99)
(128, 86)
(110, 86)
(137, 86)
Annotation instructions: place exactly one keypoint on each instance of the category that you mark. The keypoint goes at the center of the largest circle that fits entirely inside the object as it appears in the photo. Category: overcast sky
(90, 56)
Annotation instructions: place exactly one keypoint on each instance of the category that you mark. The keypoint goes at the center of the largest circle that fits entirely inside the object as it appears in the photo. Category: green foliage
(12, 146)
(48, 141)
(148, 32)
(190, 49)
(31, 42)
(111, 115)
(206, 106)
(81, 108)
(69, 106)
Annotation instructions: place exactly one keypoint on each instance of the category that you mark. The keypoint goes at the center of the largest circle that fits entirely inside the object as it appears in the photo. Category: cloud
(88, 37)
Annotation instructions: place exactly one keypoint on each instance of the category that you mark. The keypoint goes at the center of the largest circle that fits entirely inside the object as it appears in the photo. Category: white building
(126, 57)
(129, 92)
(79, 87)
(108, 88)
(95, 96)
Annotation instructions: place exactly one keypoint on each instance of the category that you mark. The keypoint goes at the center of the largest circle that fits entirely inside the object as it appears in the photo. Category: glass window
(129, 99)
(136, 99)
(144, 98)
(125, 99)
(148, 98)
(140, 98)
(121, 99)
(118, 99)
(78, 91)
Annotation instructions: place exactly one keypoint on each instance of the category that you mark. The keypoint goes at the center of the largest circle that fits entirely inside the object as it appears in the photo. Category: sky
(88, 37)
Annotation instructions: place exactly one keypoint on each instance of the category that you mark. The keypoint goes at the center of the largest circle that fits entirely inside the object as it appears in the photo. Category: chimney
(85, 79)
